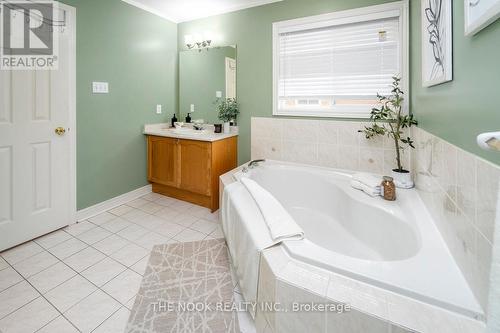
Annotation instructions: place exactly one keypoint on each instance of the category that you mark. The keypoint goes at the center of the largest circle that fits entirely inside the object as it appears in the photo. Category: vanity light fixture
(198, 42)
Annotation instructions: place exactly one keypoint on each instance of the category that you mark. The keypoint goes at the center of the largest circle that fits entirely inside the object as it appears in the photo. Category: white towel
(281, 225)
(367, 179)
(247, 236)
(368, 190)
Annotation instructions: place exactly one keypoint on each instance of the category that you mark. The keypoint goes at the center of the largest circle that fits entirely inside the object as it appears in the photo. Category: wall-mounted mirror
(204, 76)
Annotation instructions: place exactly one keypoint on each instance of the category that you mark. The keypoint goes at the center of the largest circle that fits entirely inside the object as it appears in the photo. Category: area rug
(187, 287)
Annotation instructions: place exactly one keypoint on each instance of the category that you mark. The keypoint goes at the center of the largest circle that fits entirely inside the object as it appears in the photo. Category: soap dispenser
(174, 120)
(188, 118)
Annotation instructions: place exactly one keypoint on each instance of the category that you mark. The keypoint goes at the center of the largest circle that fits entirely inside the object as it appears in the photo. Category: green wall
(470, 104)
(136, 52)
(201, 74)
(251, 31)
(456, 111)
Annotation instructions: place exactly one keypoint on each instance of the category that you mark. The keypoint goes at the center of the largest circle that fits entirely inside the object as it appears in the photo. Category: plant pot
(402, 179)
(227, 127)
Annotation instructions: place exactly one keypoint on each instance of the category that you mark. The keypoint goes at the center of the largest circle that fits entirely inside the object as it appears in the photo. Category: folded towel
(367, 179)
(372, 191)
(281, 225)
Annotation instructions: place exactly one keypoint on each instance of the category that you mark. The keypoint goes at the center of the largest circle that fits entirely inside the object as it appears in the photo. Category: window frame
(398, 9)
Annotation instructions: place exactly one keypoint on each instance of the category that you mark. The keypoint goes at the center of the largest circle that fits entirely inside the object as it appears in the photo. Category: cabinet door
(163, 161)
(195, 166)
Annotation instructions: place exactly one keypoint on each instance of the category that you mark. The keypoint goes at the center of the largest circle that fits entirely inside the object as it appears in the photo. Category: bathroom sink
(188, 131)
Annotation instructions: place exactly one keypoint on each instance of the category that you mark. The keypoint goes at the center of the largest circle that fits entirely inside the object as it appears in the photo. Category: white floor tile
(185, 220)
(204, 226)
(217, 233)
(132, 232)
(111, 244)
(103, 271)
(150, 222)
(94, 235)
(53, 239)
(140, 266)
(130, 303)
(70, 292)
(84, 259)
(130, 254)
(165, 201)
(79, 228)
(51, 277)
(21, 252)
(30, 317)
(16, 296)
(120, 210)
(58, 325)
(152, 196)
(35, 264)
(8, 278)
(151, 239)
(134, 215)
(167, 213)
(189, 235)
(116, 225)
(102, 218)
(169, 229)
(151, 207)
(3, 263)
(137, 203)
(92, 311)
(116, 323)
(67, 248)
(124, 286)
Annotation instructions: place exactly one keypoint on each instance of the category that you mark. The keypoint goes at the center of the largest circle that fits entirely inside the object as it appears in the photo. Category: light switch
(158, 109)
(192, 108)
(100, 87)
(218, 94)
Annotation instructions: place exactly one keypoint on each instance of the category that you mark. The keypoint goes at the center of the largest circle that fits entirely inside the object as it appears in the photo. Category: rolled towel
(367, 179)
(372, 191)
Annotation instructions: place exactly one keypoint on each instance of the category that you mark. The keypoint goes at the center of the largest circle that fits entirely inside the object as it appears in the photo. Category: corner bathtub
(392, 245)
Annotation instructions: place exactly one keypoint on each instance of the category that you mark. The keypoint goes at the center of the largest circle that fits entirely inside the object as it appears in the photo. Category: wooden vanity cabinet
(189, 170)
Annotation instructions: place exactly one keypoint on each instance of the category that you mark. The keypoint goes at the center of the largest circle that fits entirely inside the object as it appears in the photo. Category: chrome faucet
(252, 164)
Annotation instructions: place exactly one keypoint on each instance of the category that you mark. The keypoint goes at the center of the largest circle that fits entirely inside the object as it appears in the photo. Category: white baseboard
(104, 206)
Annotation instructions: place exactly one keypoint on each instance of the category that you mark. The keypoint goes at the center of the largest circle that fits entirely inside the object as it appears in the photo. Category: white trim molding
(104, 206)
(399, 9)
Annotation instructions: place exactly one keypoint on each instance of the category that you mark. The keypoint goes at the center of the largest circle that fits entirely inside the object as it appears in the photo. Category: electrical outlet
(100, 87)
(218, 94)
(192, 108)
(158, 109)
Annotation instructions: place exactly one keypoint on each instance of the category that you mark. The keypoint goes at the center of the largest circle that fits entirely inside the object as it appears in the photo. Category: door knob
(60, 131)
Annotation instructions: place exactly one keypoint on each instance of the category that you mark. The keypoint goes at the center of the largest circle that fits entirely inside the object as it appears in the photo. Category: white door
(37, 168)
(230, 78)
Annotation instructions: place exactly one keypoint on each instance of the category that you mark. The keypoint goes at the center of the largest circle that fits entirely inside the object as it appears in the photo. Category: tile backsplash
(335, 144)
(459, 189)
(461, 192)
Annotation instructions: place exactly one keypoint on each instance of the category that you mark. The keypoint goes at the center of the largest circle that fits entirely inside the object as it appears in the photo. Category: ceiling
(187, 10)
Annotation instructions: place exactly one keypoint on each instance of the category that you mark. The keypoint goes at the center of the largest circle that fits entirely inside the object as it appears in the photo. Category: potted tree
(228, 111)
(388, 119)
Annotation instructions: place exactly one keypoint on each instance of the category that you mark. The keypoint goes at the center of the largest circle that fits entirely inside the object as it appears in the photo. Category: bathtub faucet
(252, 165)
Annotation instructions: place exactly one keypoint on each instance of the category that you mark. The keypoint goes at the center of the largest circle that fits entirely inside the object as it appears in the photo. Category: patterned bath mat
(184, 288)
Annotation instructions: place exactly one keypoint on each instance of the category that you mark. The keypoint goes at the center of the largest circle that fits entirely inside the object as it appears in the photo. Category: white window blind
(338, 69)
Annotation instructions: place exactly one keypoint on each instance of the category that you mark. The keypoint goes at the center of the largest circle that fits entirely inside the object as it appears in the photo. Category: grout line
(47, 249)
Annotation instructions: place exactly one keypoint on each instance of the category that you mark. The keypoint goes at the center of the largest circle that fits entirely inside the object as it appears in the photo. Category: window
(333, 65)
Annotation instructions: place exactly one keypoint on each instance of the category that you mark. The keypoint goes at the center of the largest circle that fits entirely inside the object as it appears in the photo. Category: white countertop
(205, 135)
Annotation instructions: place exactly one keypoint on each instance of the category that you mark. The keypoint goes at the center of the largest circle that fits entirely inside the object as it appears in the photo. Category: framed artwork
(479, 14)
(437, 42)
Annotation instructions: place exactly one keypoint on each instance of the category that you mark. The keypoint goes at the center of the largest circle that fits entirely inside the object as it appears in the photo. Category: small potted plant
(228, 111)
(388, 119)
